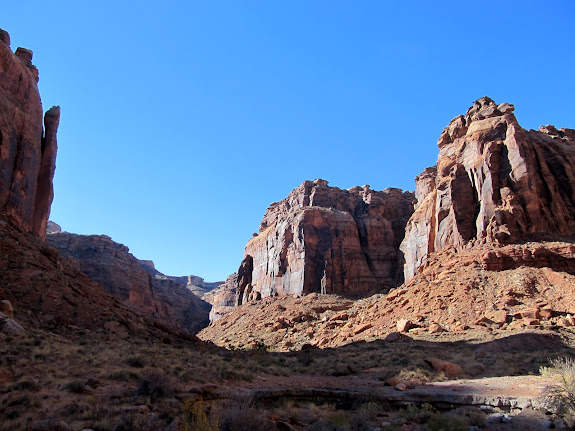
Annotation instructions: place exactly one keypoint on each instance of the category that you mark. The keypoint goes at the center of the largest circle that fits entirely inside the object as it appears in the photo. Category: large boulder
(494, 183)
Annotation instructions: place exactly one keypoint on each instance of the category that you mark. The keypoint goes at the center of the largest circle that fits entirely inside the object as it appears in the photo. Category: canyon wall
(125, 277)
(27, 142)
(327, 240)
(494, 183)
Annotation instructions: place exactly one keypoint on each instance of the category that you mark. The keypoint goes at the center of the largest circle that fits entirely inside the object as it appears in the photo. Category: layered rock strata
(121, 274)
(494, 183)
(327, 240)
(27, 142)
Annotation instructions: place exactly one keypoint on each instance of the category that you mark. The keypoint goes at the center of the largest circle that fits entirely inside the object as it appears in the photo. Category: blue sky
(183, 120)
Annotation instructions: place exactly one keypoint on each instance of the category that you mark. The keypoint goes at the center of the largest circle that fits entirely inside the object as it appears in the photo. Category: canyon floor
(75, 379)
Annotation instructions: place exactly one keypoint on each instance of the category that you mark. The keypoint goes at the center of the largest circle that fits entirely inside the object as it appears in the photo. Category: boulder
(6, 308)
(10, 327)
(450, 369)
(404, 325)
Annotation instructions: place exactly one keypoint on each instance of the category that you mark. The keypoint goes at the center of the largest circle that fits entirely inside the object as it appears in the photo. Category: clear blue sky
(183, 120)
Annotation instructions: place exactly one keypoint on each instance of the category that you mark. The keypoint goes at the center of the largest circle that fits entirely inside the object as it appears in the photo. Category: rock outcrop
(223, 298)
(27, 144)
(193, 283)
(327, 240)
(125, 277)
(494, 183)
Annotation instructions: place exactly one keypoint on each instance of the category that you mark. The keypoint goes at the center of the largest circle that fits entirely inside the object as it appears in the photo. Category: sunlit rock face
(327, 240)
(27, 142)
(494, 182)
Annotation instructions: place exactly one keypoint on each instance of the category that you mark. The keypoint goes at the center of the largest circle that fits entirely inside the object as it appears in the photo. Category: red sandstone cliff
(327, 240)
(494, 183)
(27, 148)
(125, 277)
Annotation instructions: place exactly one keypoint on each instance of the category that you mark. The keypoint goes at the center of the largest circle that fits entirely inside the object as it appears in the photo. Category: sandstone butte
(494, 183)
(327, 240)
(491, 236)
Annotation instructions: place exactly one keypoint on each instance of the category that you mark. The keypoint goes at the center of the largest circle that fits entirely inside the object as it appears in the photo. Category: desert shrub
(439, 422)
(236, 375)
(359, 422)
(368, 410)
(197, 417)
(560, 397)
(123, 376)
(26, 385)
(338, 418)
(75, 387)
(156, 385)
(136, 362)
(417, 414)
(138, 422)
(324, 426)
(240, 415)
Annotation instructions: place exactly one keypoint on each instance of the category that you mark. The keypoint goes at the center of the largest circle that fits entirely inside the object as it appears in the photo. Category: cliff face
(27, 147)
(494, 183)
(126, 278)
(327, 240)
(223, 298)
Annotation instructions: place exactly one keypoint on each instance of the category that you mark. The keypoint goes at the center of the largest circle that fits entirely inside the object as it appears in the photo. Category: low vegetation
(144, 384)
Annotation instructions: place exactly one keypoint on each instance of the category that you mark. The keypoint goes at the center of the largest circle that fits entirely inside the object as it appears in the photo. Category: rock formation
(193, 283)
(113, 266)
(223, 298)
(494, 182)
(27, 148)
(327, 240)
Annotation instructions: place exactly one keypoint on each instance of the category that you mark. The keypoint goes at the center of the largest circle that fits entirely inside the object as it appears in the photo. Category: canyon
(166, 299)
(342, 296)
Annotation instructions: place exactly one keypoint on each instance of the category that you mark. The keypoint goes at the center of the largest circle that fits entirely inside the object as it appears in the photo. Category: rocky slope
(27, 144)
(325, 239)
(456, 292)
(494, 182)
(113, 266)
